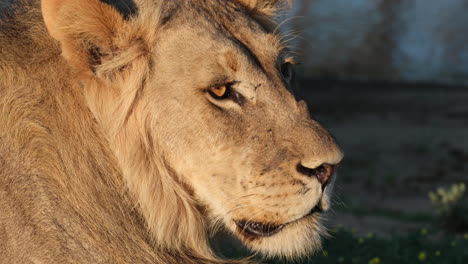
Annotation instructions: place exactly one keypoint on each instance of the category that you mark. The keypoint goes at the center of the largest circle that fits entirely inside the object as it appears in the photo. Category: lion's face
(227, 124)
(202, 89)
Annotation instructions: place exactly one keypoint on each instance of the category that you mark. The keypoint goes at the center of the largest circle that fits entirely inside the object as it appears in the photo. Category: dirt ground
(400, 142)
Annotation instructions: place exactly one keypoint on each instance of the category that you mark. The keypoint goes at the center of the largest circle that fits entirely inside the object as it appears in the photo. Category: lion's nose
(323, 172)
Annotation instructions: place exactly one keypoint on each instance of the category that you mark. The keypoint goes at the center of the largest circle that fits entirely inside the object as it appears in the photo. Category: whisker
(285, 21)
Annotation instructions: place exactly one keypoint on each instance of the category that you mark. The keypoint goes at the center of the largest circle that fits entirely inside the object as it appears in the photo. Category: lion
(130, 129)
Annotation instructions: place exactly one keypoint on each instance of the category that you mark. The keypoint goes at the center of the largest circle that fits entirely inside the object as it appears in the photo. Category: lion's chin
(295, 239)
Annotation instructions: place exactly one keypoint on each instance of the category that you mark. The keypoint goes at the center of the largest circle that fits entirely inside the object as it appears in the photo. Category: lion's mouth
(258, 229)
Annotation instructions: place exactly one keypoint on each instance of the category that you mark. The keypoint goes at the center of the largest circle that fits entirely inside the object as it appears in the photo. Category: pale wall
(422, 40)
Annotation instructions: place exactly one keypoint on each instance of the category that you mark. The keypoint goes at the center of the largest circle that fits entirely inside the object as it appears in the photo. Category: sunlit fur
(107, 125)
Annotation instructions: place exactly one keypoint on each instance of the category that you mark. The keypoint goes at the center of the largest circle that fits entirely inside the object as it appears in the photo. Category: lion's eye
(220, 91)
(286, 71)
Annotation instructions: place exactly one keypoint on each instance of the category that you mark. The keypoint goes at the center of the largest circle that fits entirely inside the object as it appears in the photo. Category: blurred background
(390, 40)
(389, 78)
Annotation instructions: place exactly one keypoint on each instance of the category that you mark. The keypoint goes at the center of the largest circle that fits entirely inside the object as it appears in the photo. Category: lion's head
(194, 96)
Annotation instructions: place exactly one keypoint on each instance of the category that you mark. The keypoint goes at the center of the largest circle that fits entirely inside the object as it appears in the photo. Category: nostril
(323, 172)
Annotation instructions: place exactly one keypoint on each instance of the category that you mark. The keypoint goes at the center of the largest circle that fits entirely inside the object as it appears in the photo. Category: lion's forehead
(225, 22)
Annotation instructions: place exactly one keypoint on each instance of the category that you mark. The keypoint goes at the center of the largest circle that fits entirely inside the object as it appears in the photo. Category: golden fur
(113, 151)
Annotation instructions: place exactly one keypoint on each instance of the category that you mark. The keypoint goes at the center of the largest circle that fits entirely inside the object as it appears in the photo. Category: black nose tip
(323, 172)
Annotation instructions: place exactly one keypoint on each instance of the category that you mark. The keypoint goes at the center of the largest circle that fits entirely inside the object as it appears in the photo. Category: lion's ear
(86, 29)
(258, 3)
(265, 11)
(265, 7)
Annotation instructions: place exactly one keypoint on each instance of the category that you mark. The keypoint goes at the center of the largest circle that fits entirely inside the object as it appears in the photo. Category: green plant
(451, 207)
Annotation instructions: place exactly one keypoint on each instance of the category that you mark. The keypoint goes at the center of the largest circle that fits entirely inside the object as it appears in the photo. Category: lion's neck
(169, 210)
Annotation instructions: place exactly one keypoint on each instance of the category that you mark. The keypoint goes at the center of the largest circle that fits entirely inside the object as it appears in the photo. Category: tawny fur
(94, 168)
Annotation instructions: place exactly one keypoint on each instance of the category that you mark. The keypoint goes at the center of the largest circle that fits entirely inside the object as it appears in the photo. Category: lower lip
(265, 230)
(252, 234)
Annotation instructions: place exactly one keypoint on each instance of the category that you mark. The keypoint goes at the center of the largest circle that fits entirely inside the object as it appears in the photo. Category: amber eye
(219, 91)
